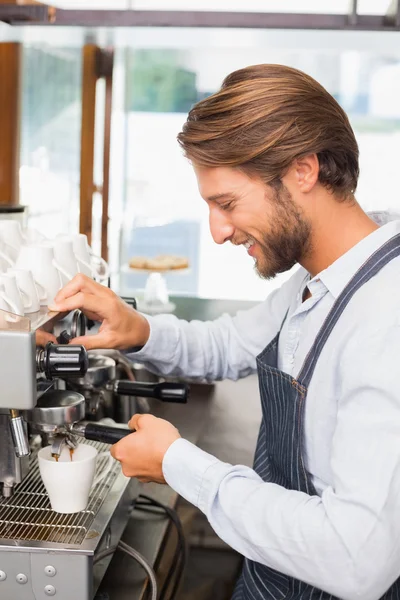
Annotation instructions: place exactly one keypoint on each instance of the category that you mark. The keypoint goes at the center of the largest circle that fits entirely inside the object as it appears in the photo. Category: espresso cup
(65, 258)
(39, 258)
(89, 264)
(11, 236)
(12, 293)
(5, 259)
(6, 303)
(69, 481)
(32, 236)
(31, 291)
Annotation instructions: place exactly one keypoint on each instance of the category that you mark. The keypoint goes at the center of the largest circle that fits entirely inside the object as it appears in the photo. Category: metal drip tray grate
(27, 515)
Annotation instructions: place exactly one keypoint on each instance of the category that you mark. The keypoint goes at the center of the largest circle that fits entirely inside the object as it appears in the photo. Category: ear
(304, 173)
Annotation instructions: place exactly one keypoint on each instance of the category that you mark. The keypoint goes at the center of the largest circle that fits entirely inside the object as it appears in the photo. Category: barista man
(318, 517)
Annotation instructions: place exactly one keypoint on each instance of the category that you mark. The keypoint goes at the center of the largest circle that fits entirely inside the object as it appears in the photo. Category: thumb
(140, 421)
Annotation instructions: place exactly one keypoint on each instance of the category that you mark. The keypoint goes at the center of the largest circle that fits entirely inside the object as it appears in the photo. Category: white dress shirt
(345, 540)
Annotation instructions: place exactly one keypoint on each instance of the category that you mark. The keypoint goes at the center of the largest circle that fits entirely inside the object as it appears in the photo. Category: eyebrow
(220, 196)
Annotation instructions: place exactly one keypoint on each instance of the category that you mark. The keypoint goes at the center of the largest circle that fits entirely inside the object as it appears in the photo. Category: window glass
(50, 137)
(155, 207)
(163, 209)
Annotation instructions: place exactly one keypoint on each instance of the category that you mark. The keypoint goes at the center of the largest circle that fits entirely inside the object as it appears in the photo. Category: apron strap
(373, 265)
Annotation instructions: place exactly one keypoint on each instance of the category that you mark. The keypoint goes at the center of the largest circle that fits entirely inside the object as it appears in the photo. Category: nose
(221, 228)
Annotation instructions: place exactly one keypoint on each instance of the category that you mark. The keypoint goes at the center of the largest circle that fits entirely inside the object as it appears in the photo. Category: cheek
(251, 222)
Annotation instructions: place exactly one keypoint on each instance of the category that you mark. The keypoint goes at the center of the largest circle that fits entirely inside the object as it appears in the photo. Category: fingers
(120, 450)
(42, 338)
(80, 283)
(139, 421)
(113, 451)
(84, 301)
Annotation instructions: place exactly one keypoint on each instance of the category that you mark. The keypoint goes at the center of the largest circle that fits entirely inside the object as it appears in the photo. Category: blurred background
(159, 73)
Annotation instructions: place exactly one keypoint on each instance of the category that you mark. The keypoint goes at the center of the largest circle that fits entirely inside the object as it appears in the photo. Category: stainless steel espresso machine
(58, 395)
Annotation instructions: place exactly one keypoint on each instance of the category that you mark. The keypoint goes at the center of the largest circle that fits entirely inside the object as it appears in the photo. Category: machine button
(50, 590)
(3, 576)
(50, 571)
(21, 578)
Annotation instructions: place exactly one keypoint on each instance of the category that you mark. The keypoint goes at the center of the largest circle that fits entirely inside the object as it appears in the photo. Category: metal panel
(10, 13)
(38, 576)
(21, 15)
(18, 391)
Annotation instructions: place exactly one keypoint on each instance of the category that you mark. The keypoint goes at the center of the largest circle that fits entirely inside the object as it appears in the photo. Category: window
(163, 209)
(50, 138)
(155, 206)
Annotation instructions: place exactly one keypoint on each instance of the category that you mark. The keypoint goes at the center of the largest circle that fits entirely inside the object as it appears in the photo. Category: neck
(339, 227)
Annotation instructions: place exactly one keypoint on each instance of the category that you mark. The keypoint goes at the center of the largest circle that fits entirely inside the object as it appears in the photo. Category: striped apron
(279, 456)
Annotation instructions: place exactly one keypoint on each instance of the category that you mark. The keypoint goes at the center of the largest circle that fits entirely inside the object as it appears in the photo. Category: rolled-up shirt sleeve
(346, 541)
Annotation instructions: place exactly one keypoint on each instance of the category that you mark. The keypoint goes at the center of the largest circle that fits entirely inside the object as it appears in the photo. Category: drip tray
(27, 515)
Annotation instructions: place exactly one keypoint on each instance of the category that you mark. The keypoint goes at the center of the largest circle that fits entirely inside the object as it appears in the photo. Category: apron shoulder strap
(373, 265)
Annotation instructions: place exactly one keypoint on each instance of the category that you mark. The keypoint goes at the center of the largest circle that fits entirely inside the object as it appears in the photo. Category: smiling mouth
(250, 246)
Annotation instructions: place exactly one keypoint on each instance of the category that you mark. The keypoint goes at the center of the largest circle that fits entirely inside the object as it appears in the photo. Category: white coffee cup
(11, 236)
(6, 303)
(87, 260)
(5, 259)
(31, 291)
(65, 258)
(32, 236)
(12, 292)
(69, 482)
(39, 258)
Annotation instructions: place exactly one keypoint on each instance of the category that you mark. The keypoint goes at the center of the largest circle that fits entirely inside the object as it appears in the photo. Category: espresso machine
(59, 395)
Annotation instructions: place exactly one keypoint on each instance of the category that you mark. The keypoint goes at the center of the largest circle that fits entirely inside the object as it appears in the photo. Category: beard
(288, 239)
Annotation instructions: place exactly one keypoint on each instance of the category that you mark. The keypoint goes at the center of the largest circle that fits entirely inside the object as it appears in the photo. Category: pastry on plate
(163, 262)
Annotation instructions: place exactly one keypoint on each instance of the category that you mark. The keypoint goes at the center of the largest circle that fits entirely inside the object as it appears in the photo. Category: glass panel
(155, 205)
(373, 7)
(164, 213)
(50, 138)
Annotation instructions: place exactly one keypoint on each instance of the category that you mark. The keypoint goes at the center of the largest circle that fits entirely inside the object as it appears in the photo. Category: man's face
(267, 221)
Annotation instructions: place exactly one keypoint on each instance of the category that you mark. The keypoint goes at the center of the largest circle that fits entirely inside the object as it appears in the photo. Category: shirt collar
(338, 274)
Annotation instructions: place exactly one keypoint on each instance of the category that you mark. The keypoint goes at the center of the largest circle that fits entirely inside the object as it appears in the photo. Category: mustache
(241, 241)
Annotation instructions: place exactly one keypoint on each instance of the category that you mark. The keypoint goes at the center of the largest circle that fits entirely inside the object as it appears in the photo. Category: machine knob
(62, 361)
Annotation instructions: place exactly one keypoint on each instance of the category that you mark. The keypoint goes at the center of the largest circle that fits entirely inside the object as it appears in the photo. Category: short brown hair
(266, 116)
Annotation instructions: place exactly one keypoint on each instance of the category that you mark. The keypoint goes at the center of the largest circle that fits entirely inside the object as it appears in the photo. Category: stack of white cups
(33, 269)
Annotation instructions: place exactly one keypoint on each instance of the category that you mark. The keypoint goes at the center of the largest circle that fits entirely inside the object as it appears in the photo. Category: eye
(226, 206)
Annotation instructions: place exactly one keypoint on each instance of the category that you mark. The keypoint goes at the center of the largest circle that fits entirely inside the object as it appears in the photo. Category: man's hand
(141, 454)
(122, 327)
(42, 338)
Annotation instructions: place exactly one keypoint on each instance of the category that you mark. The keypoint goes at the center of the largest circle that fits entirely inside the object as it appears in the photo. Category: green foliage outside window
(157, 82)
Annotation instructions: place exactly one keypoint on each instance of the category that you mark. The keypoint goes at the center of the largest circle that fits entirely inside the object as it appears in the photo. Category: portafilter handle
(100, 433)
(166, 391)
